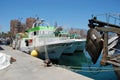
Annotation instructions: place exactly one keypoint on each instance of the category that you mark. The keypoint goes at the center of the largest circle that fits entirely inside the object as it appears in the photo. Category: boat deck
(27, 67)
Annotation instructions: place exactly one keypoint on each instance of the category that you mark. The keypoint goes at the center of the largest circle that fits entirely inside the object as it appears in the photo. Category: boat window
(42, 32)
(27, 43)
(37, 32)
(46, 33)
(34, 32)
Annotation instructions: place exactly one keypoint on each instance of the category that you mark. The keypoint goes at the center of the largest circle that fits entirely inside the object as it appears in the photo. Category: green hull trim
(41, 28)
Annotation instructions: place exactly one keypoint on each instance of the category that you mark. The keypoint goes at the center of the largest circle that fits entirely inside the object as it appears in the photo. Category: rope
(87, 69)
(95, 72)
(101, 70)
(77, 67)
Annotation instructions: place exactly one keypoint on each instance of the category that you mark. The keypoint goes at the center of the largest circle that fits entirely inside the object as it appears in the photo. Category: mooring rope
(78, 67)
(94, 71)
(88, 69)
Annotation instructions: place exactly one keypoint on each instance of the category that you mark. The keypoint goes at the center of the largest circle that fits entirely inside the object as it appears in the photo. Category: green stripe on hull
(41, 28)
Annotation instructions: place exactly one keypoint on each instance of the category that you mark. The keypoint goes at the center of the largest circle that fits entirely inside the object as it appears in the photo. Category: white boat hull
(81, 45)
(75, 45)
(52, 51)
(70, 48)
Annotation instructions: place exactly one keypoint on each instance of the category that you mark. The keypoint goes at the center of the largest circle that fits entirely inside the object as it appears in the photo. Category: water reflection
(77, 59)
(81, 63)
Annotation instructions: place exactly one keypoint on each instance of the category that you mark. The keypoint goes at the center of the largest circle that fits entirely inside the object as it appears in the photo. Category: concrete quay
(27, 67)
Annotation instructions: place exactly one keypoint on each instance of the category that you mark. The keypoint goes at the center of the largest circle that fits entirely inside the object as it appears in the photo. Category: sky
(67, 13)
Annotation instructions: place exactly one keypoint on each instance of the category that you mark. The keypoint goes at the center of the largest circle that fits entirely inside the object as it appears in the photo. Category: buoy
(34, 53)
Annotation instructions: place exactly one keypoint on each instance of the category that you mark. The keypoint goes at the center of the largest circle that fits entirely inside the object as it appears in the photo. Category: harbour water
(80, 63)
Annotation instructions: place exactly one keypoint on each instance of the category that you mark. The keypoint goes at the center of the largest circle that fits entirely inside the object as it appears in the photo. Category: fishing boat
(42, 39)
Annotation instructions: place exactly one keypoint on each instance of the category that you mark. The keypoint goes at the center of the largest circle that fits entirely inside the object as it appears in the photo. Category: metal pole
(46, 53)
(47, 60)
